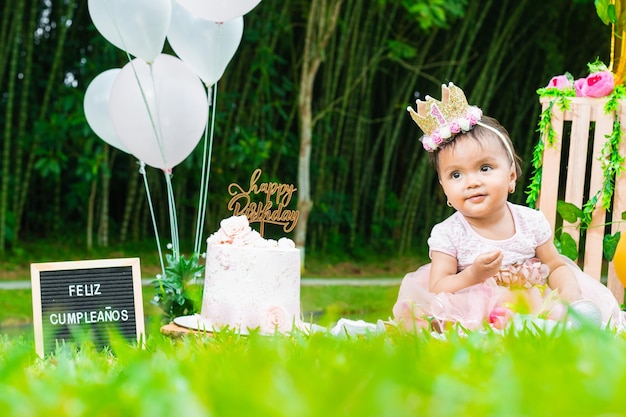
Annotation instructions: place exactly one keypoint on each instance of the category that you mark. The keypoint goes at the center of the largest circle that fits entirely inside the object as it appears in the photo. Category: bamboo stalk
(45, 103)
(24, 108)
(8, 127)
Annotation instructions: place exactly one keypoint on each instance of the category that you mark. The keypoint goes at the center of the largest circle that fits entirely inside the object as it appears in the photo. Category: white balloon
(96, 105)
(159, 110)
(206, 46)
(138, 27)
(219, 10)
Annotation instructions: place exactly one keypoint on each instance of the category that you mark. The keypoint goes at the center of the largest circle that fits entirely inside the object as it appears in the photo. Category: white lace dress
(520, 286)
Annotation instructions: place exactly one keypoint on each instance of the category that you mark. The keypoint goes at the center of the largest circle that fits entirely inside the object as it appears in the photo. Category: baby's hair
(487, 128)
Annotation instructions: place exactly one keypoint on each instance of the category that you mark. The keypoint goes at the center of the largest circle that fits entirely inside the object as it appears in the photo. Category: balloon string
(141, 90)
(145, 102)
(206, 170)
(117, 28)
(201, 207)
(157, 133)
(206, 160)
(172, 213)
(142, 171)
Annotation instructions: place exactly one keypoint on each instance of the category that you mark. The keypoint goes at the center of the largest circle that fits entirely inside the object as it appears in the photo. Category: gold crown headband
(442, 120)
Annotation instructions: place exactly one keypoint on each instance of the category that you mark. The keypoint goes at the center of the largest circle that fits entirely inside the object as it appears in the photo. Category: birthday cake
(250, 282)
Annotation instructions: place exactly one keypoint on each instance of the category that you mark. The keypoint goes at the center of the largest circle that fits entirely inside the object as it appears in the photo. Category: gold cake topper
(273, 210)
(442, 120)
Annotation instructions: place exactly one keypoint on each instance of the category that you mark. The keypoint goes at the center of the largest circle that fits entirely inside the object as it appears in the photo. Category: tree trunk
(320, 27)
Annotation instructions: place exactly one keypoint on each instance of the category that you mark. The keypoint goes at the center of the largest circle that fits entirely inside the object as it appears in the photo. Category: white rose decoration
(286, 243)
(235, 226)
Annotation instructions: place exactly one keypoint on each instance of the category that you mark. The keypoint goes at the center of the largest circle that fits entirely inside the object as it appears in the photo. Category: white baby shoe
(584, 311)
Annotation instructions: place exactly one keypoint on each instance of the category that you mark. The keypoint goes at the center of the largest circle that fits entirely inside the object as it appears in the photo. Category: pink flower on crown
(474, 115)
(560, 81)
(598, 84)
(436, 138)
(454, 127)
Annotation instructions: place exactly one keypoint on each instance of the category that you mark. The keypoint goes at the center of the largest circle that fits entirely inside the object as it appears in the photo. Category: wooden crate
(589, 122)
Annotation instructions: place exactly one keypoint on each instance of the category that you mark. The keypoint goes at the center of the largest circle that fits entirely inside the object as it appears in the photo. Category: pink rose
(578, 85)
(455, 127)
(276, 319)
(436, 138)
(598, 84)
(499, 317)
(560, 82)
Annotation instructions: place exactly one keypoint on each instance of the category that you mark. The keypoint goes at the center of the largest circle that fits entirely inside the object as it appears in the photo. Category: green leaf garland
(612, 164)
(561, 97)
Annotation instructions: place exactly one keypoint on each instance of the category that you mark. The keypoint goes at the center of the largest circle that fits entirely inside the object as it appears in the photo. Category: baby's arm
(561, 277)
(445, 278)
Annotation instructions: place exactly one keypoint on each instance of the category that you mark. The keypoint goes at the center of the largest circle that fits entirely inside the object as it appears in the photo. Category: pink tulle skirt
(490, 303)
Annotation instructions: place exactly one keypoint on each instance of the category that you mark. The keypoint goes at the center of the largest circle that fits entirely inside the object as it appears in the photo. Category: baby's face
(476, 176)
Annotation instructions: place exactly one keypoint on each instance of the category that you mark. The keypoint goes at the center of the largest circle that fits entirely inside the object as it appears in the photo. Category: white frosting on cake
(250, 282)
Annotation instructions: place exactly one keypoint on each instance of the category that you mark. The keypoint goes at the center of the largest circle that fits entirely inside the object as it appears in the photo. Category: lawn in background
(322, 305)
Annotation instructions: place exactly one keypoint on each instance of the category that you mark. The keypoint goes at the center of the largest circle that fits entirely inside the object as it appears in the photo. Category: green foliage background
(372, 188)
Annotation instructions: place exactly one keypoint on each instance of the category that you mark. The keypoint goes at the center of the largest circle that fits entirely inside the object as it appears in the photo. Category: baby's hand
(487, 265)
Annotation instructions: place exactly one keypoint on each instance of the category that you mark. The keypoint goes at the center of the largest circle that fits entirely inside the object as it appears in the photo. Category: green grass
(578, 373)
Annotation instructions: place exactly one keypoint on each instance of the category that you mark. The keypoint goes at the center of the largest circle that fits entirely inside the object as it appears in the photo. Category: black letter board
(84, 299)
